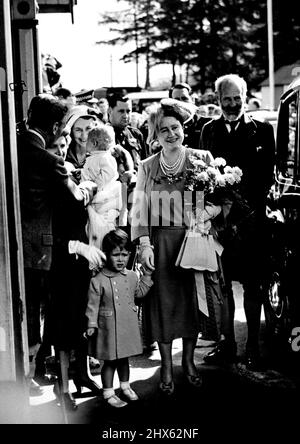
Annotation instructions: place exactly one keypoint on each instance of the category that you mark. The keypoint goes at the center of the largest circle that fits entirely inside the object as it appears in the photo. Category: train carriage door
(14, 364)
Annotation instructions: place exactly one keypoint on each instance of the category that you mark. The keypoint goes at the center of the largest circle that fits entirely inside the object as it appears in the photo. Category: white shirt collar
(229, 127)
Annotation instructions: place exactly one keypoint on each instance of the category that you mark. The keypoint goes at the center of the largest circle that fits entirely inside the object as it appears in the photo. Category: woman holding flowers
(159, 223)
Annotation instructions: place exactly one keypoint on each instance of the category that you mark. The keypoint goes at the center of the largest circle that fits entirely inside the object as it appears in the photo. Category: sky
(85, 64)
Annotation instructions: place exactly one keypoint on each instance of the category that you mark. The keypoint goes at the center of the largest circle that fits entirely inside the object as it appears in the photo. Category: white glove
(211, 211)
(204, 217)
(88, 189)
(203, 227)
(90, 252)
(146, 253)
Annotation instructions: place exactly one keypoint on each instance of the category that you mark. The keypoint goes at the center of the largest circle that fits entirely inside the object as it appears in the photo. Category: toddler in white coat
(101, 168)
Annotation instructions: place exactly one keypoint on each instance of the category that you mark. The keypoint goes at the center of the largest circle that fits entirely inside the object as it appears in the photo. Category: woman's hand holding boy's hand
(146, 258)
(147, 272)
(90, 331)
(146, 253)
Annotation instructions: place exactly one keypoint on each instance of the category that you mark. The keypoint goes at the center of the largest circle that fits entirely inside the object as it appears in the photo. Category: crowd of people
(97, 243)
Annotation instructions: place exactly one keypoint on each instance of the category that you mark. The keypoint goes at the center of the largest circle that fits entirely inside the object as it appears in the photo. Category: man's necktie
(233, 125)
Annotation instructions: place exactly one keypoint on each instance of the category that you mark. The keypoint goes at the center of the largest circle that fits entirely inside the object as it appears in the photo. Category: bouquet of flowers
(211, 178)
(209, 185)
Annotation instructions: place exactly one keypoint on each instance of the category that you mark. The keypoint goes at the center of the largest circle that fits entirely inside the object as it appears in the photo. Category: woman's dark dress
(171, 310)
(70, 277)
(172, 304)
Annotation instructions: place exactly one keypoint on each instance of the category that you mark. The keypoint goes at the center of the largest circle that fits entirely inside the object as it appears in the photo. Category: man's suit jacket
(252, 148)
(41, 177)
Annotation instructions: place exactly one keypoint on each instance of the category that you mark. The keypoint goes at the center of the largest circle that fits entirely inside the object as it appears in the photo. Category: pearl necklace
(171, 170)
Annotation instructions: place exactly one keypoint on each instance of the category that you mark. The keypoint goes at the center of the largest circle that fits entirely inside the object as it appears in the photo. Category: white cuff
(73, 247)
(145, 240)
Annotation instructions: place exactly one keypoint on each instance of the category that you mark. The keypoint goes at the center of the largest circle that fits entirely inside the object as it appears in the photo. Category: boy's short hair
(103, 135)
(116, 238)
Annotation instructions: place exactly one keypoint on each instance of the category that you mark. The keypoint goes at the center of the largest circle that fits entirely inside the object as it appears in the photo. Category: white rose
(228, 169)
(211, 171)
(229, 178)
(237, 178)
(199, 163)
(203, 176)
(237, 171)
(221, 181)
(219, 161)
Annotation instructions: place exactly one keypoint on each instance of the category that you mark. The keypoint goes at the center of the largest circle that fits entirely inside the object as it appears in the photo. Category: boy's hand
(146, 271)
(146, 257)
(90, 331)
